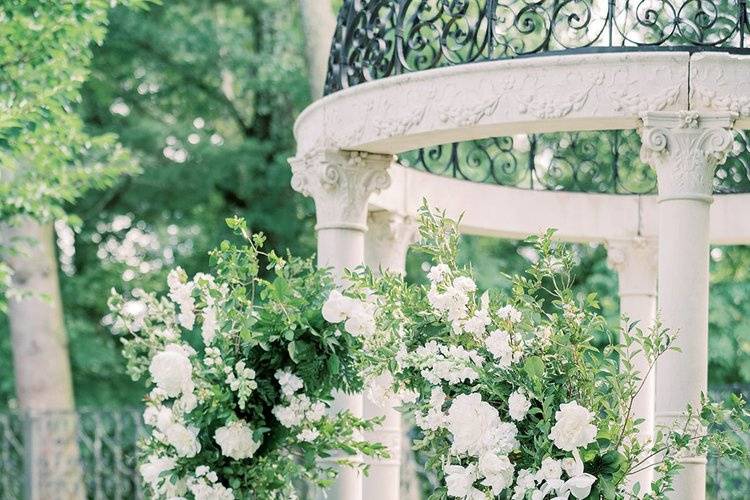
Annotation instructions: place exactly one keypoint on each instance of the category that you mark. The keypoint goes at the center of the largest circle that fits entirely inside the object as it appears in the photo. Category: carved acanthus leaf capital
(685, 148)
(341, 183)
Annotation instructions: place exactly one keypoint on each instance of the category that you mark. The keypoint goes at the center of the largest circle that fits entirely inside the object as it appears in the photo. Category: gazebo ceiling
(377, 39)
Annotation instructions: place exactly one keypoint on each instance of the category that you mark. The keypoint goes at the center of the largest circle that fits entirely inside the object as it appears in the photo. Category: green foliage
(258, 336)
(443, 341)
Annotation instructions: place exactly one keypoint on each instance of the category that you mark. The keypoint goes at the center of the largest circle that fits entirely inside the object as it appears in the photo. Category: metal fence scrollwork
(90, 454)
(380, 38)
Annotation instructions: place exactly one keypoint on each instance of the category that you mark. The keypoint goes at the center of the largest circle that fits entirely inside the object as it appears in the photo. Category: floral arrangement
(515, 396)
(243, 370)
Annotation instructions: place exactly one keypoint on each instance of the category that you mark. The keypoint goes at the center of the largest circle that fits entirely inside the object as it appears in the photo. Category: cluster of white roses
(299, 411)
(178, 375)
(482, 441)
(358, 315)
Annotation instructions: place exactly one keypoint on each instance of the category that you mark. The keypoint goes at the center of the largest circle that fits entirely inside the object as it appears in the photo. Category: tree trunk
(318, 23)
(41, 364)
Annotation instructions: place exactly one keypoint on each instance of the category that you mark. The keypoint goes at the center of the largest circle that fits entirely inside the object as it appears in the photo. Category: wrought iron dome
(377, 39)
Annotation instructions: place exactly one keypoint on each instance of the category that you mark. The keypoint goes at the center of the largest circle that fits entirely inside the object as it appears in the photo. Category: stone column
(341, 184)
(386, 243)
(635, 263)
(684, 148)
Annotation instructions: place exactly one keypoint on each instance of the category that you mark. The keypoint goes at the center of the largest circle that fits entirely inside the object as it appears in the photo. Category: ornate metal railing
(594, 162)
(380, 38)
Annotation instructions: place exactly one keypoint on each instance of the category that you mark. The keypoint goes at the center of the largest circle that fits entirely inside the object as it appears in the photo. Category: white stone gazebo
(548, 139)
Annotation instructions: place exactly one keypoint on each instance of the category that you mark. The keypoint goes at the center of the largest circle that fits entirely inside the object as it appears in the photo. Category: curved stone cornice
(496, 98)
(341, 183)
(719, 82)
(685, 147)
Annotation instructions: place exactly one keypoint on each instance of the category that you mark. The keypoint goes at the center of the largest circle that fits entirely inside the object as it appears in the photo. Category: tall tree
(46, 160)
(319, 24)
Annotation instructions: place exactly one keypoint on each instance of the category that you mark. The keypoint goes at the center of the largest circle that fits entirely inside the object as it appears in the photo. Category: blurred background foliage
(204, 94)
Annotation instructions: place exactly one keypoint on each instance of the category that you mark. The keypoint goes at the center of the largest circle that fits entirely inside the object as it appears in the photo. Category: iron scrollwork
(592, 162)
(380, 38)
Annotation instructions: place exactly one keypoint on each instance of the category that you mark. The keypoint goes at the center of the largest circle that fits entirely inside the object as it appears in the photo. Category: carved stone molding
(495, 98)
(388, 238)
(636, 263)
(341, 183)
(684, 148)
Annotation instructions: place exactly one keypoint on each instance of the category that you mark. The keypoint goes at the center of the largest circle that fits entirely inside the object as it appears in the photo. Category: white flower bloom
(473, 423)
(154, 468)
(204, 490)
(477, 324)
(210, 325)
(437, 273)
(504, 438)
(510, 313)
(316, 411)
(498, 343)
(361, 319)
(465, 284)
(460, 480)
(236, 440)
(287, 416)
(573, 428)
(289, 382)
(181, 293)
(184, 440)
(497, 471)
(308, 435)
(171, 370)
(336, 308)
(551, 469)
(524, 483)
(434, 418)
(518, 405)
(579, 485)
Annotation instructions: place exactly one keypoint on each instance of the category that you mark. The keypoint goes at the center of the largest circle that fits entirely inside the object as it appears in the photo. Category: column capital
(388, 238)
(341, 183)
(636, 264)
(685, 147)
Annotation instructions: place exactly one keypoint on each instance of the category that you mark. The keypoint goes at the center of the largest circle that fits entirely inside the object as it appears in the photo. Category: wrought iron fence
(73, 455)
(101, 464)
(379, 38)
(594, 162)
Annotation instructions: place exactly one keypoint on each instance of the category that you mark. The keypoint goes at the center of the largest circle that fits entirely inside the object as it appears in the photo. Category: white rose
(171, 370)
(308, 435)
(155, 467)
(236, 440)
(289, 382)
(573, 428)
(184, 440)
(503, 439)
(473, 424)
(551, 469)
(361, 320)
(498, 343)
(518, 405)
(460, 480)
(336, 308)
(497, 470)
(510, 313)
(437, 273)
